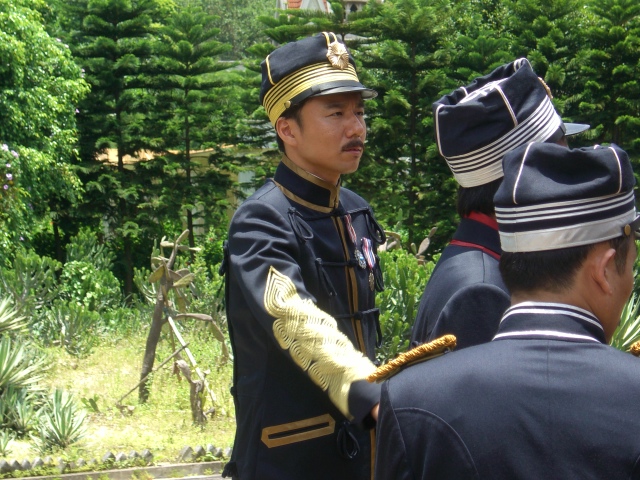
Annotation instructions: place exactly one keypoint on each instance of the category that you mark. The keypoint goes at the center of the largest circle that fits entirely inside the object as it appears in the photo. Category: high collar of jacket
(479, 230)
(551, 321)
(305, 188)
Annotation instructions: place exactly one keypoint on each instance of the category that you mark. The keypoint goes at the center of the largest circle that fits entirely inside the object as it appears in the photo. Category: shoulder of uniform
(421, 353)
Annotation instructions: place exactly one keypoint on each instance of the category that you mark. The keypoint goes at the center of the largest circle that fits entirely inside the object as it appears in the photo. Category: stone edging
(160, 471)
(187, 455)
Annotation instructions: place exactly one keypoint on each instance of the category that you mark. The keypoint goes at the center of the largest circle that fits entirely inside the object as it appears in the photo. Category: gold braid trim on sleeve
(635, 349)
(423, 352)
(313, 340)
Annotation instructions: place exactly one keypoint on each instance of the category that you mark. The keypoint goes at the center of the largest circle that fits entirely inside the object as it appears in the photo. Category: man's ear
(287, 129)
(603, 267)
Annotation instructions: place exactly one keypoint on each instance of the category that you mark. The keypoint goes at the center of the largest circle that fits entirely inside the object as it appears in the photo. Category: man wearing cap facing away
(301, 278)
(475, 127)
(547, 398)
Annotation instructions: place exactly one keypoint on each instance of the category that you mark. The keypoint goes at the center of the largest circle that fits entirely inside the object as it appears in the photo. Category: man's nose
(356, 126)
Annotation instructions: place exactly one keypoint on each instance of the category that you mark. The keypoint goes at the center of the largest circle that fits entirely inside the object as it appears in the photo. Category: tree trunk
(150, 349)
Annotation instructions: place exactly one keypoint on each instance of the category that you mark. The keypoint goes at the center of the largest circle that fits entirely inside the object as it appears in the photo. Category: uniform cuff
(363, 396)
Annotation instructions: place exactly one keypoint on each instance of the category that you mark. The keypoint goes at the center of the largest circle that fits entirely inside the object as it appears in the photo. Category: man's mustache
(354, 144)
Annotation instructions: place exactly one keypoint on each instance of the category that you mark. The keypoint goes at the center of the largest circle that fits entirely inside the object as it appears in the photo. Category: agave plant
(61, 422)
(18, 410)
(10, 321)
(5, 441)
(17, 367)
(628, 332)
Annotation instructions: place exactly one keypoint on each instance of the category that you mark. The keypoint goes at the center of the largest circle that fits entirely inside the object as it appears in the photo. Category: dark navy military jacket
(465, 295)
(546, 399)
(303, 327)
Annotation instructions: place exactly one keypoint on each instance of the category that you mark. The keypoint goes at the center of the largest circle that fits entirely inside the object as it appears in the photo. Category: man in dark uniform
(301, 277)
(547, 398)
(475, 126)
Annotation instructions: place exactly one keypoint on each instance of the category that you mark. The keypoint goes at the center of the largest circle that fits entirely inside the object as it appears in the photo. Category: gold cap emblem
(338, 55)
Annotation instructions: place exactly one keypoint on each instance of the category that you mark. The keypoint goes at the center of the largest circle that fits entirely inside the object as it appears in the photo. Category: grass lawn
(163, 425)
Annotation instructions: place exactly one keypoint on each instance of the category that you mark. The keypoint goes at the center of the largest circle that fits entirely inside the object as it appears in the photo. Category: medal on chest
(357, 254)
(370, 258)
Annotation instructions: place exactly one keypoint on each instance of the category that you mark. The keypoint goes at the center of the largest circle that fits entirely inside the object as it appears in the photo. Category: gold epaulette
(423, 352)
(635, 349)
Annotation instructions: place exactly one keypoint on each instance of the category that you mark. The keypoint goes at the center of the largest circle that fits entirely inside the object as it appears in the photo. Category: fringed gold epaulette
(635, 349)
(423, 352)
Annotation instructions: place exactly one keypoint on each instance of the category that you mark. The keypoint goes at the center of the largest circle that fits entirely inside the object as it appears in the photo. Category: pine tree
(611, 68)
(188, 99)
(550, 34)
(115, 44)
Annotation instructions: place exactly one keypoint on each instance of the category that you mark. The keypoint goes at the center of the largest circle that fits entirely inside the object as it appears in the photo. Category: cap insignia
(338, 55)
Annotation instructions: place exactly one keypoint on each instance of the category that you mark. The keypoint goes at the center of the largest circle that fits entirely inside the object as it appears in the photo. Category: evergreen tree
(610, 69)
(193, 112)
(115, 45)
(550, 34)
(239, 23)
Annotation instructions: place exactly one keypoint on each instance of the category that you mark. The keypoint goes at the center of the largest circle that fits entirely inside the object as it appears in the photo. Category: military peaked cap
(318, 65)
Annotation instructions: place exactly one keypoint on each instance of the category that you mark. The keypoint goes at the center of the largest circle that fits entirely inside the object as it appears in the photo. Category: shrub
(71, 326)
(404, 279)
(30, 282)
(84, 247)
(83, 283)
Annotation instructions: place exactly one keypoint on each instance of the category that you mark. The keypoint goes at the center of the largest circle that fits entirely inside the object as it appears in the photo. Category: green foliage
(18, 367)
(238, 22)
(404, 278)
(192, 92)
(71, 326)
(84, 247)
(610, 67)
(62, 422)
(13, 203)
(97, 290)
(31, 282)
(40, 85)
(21, 369)
(5, 442)
(628, 331)
(10, 321)
(21, 415)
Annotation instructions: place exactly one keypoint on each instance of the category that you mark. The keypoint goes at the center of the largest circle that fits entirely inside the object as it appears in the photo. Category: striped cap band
(302, 80)
(484, 165)
(553, 197)
(564, 224)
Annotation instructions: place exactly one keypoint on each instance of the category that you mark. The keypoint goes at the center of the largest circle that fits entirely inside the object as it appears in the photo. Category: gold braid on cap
(546, 87)
(635, 349)
(423, 352)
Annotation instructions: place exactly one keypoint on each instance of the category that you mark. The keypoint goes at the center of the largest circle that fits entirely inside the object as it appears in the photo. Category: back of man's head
(555, 205)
